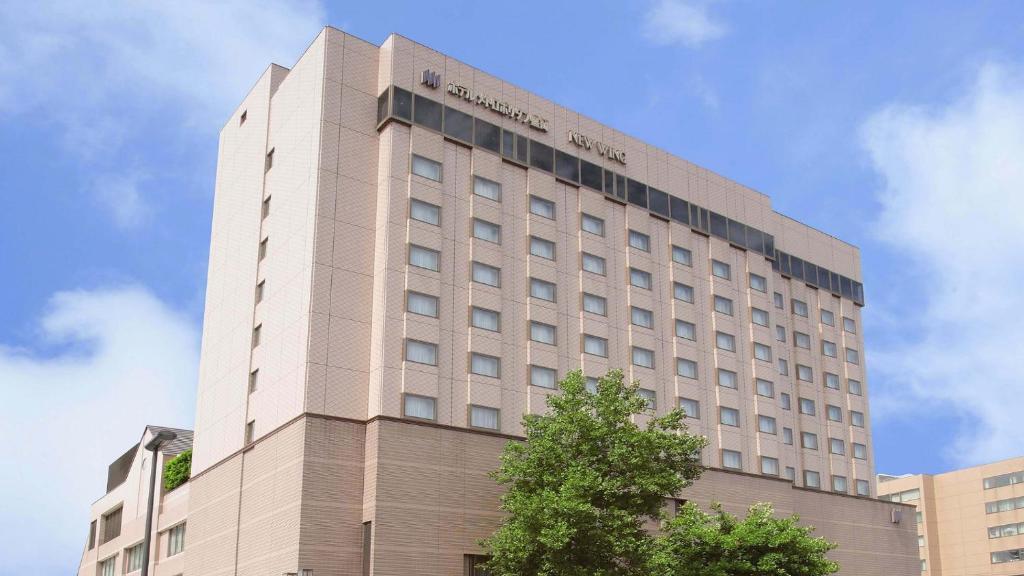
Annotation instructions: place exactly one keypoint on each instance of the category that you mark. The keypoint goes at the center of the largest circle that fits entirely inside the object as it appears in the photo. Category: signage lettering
(501, 107)
(588, 143)
(431, 78)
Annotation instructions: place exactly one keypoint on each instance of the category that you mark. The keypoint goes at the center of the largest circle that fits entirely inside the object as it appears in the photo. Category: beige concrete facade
(971, 521)
(360, 316)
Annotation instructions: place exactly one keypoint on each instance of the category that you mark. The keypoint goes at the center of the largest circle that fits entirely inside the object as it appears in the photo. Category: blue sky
(898, 127)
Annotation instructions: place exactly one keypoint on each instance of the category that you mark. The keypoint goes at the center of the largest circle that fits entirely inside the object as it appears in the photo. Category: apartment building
(407, 254)
(970, 522)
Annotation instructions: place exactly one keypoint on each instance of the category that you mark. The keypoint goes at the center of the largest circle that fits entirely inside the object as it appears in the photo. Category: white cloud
(685, 22)
(953, 203)
(120, 194)
(106, 363)
(112, 74)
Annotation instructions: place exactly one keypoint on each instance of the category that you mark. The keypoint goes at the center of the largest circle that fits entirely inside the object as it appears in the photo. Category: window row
(1003, 480)
(1005, 505)
(732, 459)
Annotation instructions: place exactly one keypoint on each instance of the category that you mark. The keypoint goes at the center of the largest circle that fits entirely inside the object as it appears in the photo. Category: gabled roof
(118, 470)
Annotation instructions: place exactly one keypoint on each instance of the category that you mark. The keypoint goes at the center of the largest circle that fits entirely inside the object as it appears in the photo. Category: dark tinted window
(719, 226)
(609, 182)
(487, 136)
(541, 156)
(796, 267)
(567, 166)
(657, 202)
(769, 245)
(590, 175)
(737, 233)
(508, 144)
(680, 209)
(402, 106)
(637, 193)
(620, 186)
(522, 147)
(458, 124)
(755, 240)
(383, 101)
(784, 264)
(427, 112)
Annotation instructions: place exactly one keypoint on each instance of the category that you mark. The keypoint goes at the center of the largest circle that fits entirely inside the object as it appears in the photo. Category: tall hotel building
(970, 522)
(407, 254)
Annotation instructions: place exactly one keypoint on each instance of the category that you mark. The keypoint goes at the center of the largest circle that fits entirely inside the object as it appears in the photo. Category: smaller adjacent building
(970, 522)
(118, 519)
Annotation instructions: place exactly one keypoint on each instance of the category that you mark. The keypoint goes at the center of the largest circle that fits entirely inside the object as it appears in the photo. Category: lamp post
(159, 439)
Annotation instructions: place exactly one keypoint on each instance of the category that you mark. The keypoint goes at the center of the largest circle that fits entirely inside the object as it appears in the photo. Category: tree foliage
(178, 470)
(585, 481)
(695, 543)
(589, 484)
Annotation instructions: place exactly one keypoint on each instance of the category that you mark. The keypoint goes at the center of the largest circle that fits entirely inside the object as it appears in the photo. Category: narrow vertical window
(269, 162)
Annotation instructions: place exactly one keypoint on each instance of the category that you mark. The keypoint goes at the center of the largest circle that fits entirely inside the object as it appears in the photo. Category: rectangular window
(849, 325)
(727, 378)
(422, 304)
(259, 290)
(92, 535)
(426, 168)
(591, 224)
(542, 377)
(686, 368)
(863, 488)
(780, 333)
(649, 396)
(487, 188)
(758, 283)
(855, 387)
(837, 446)
(725, 341)
(857, 418)
(593, 264)
(256, 333)
(759, 317)
(723, 305)
(487, 231)
(265, 211)
(484, 417)
(176, 540)
(828, 318)
(485, 319)
(732, 459)
(812, 479)
(721, 270)
(250, 432)
(421, 352)
(424, 212)
(133, 558)
(789, 473)
(778, 300)
(254, 381)
(425, 258)
(799, 307)
(543, 333)
(766, 424)
(416, 406)
(809, 440)
(831, 381)
(682, 256)
(542, 248)
(729, 416)
(765, 388)
(860, 451)
(263, 249)
(686, 330)
(807, 406)
(595, 345)
(801, 340)
(640, 241)
(1006, 530)
(484, 365)
(542, 290)
(784, 401)
(643, 357)
(762, 352)
(1003, 480)
(640, 279)
(108, 567)
(804, 373)
(834, 413)
(268, 162)
(787, 436)
(595, 304)
(682, 292)
(641, 317)
(591, 384)
(542, 207)
(769, 466)
(1005, 505)
(839, 484)
(828, 348)
(690, 407)
(484, 274)
(241, 119)
(852, 356)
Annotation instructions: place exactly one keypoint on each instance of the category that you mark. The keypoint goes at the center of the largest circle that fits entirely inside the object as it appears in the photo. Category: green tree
(581, 487)
(178, 470)
(695, 543)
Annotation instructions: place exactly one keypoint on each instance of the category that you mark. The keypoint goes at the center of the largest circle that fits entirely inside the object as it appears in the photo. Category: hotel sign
(501, 107)
(603, 149)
